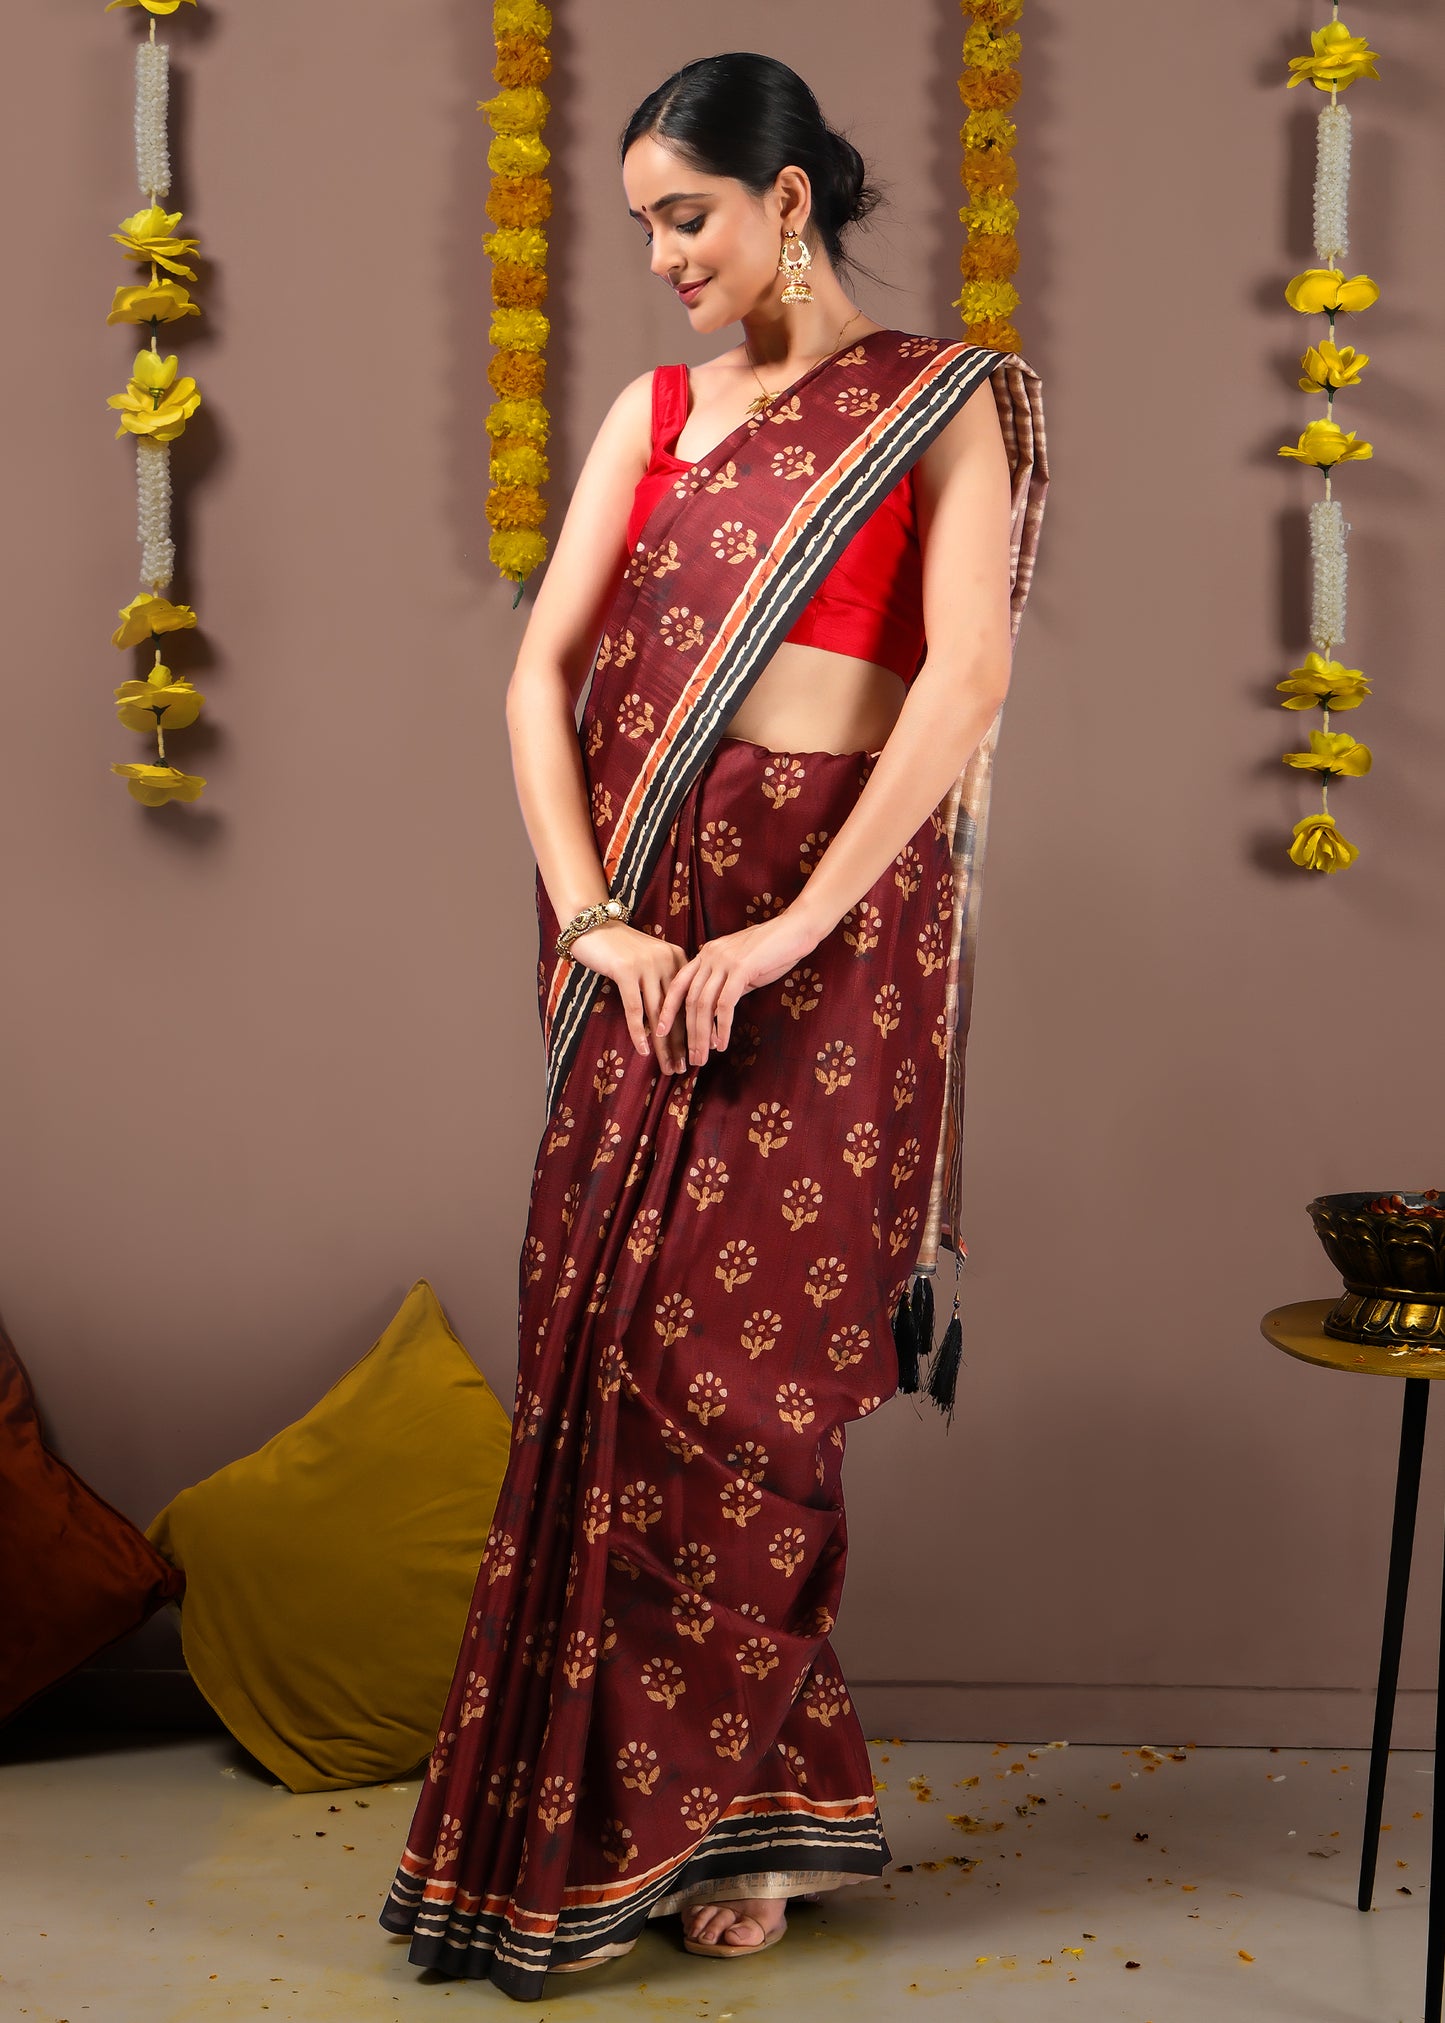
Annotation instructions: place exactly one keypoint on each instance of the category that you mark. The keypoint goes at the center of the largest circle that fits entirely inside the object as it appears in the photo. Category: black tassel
(943, 1383)
(905, 1339)
(921, 1306)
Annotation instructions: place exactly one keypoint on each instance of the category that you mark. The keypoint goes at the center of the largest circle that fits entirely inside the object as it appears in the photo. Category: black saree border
(483, 1944)
(849, 498)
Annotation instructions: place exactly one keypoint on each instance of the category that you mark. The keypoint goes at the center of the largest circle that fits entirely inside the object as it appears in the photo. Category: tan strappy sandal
(718, 1949)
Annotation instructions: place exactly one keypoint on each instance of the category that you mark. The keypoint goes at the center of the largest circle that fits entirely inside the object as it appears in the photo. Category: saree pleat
(646, 1708)
(647, 1700)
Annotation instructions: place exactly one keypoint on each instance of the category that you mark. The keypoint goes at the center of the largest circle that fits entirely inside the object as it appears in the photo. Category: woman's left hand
(709, 984)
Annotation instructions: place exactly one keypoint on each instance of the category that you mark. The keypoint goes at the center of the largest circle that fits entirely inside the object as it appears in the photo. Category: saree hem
(762, 1883)
(518, 1960)
(475, 1960)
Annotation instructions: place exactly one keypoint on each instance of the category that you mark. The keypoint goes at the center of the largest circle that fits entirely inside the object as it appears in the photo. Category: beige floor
(170, 1881)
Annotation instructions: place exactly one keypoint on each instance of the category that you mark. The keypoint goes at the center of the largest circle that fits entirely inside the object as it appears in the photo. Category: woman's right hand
(642, 966)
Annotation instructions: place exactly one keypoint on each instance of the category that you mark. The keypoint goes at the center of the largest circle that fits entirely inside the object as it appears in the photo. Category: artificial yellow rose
(165, 300)
(1319, 846)
(146, 614)
(1338, 59)
(150, 6)
(155, 404)
(1321, 288)
(154, 785)
(1330, 364)
(1325, 443)
(148, 235)
(162, 698)
(1333, 753)
(1323, 684)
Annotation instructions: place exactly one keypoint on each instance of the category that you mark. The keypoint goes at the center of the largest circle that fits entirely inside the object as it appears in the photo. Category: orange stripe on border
(543, 1924)
(761, 1805)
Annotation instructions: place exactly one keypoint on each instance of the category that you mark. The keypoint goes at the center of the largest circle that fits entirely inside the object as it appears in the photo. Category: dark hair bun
(855, 195)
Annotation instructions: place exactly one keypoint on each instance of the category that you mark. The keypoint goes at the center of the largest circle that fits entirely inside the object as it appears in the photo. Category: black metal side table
(1297, 1330)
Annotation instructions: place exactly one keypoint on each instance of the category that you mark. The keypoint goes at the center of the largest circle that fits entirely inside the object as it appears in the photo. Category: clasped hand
(680, 1006)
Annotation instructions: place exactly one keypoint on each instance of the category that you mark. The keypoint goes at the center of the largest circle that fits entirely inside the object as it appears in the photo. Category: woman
(752, 882)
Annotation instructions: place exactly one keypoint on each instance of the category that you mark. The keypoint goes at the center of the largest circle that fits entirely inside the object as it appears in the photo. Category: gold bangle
(591, 916)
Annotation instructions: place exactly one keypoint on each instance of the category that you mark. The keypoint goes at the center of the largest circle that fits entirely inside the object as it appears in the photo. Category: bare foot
(735, 1921)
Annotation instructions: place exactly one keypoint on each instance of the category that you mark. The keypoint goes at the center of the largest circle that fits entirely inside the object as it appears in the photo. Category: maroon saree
(646, 1708)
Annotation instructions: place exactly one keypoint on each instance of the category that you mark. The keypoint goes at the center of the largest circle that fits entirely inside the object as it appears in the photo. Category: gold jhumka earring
(796, 288)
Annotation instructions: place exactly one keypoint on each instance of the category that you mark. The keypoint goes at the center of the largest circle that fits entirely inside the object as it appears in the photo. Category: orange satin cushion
(74, 1573)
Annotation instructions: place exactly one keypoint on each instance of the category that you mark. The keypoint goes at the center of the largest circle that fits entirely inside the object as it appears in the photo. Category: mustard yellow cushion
(329, 1574)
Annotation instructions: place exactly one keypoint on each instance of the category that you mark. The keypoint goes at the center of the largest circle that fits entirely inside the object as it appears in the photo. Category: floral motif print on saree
(646, 1707)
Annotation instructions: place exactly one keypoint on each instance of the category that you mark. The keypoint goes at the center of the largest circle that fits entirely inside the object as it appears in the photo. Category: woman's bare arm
(556, 653)
(552, 665)
(963, 493)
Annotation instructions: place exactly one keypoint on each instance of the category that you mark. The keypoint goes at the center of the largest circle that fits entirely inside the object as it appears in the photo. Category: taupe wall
(268, 1059)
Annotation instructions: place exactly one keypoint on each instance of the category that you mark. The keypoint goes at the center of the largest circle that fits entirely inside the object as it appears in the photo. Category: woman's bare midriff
(809, 699)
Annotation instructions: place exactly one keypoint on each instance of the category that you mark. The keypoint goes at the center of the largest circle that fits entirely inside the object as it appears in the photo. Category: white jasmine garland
(151, 118)
(152, 104)
(153, 498)
(1332, 184)
(1328, 527)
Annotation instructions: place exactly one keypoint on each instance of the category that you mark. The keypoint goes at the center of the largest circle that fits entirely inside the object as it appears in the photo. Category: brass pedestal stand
(1297, 1330)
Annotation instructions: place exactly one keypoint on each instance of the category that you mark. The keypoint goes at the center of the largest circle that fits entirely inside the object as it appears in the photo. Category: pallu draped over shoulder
(721, 1267)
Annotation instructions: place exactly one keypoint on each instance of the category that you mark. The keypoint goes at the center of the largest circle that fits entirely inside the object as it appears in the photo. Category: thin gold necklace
(756, 406)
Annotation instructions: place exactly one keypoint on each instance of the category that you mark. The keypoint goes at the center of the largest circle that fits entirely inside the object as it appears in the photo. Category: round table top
(1296, 1329)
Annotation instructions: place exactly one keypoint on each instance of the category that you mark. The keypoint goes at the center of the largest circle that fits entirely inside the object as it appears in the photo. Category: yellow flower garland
(989, 85)
(1336, 60)
(154, 409)
(519, 203)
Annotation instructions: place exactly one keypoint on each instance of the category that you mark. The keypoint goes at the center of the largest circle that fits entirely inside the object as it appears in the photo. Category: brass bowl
(1390, 1251)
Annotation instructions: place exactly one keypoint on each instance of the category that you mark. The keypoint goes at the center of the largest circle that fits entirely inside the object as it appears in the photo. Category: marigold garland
(990, 84)
(154, 409)
(1336, 60)
(519, 203)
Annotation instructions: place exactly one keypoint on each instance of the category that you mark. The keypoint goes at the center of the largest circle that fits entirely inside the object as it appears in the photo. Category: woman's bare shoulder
(624, 435)
(632, 399)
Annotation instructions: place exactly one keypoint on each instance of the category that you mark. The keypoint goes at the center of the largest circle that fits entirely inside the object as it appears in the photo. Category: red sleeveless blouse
(871, 601)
